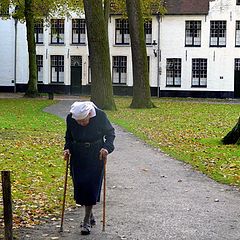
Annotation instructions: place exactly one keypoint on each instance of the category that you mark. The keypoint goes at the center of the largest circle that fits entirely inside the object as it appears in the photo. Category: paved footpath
(151, 196)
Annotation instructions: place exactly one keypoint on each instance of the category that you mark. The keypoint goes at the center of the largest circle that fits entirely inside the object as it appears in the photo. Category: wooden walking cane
(64, 194)
(104, 194)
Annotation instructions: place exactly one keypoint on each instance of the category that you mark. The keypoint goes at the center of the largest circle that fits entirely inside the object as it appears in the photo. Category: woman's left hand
(103, 154)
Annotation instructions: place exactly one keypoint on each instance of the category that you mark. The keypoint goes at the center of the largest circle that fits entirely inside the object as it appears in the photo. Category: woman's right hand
(66, 154)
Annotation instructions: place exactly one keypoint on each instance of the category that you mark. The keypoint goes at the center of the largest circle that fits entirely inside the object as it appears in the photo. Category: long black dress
(84, 143)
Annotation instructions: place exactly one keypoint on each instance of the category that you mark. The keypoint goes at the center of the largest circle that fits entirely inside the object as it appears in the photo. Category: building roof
(182, 7)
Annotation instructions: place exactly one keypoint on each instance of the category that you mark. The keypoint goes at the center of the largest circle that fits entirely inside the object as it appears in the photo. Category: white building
(197, 46)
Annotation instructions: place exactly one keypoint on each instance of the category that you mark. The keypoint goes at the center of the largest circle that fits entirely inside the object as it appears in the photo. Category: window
(39, 59)
(173, 72)
(237, 37)
(237, 64)
(193, 34)
(38, 29)
(120, 69)
(57, 31)
(78, 31)
(122, 35)
(57, 69)
(148, 32)
(218, 33)
(199, 72)
(238, 2)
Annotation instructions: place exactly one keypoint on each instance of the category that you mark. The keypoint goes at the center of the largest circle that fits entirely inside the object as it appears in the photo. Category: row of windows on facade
(119, 70)
(218, 31)
(79, 31)
(57, 68)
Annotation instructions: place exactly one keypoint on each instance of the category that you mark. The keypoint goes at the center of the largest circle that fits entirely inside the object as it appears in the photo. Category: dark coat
(84, 143)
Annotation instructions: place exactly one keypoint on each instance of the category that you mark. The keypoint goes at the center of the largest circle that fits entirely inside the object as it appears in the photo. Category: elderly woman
(89, 139)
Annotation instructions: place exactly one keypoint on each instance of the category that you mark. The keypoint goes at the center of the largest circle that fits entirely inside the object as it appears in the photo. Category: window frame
(218, 32)
(200, 72)
(237, 33)
(176, 69)
(237, 64)
(121, 68)
(80, 30)
(194, 27)
(60, 26)
(148, 30)
(38, 29)
(39, 63)
(123, 31)
(58, 67)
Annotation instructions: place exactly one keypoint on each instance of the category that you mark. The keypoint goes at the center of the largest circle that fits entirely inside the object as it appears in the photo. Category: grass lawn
(31, 147)
(32, 141)
(188, 130)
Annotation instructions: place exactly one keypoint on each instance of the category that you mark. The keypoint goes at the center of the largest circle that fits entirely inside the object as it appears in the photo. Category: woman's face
(84, 122)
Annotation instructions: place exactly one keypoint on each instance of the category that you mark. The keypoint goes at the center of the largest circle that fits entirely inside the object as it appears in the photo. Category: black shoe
(85, 229)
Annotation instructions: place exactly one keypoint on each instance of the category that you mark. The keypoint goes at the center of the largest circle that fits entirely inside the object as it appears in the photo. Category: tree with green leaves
(29, 11)
(101, 84)
(101, 88)
(26, 10)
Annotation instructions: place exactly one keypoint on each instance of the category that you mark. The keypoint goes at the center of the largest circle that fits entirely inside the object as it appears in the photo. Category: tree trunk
(233, 136)
(101, 83)
(141, 88)
(32, 90)
(106, 12)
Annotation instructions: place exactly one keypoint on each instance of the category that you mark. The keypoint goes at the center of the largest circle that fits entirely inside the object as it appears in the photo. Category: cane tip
(61, 230)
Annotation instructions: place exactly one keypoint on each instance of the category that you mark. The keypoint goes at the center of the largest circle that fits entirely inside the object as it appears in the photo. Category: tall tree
(101, 84)
(24, 11)
(32, 89)
(30, 11)
(141, 88)
(137, 11)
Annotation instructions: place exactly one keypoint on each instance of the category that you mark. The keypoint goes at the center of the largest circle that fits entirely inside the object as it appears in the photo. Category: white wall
(220, 60)
(7, 33)
(22, 54)
(67, 49)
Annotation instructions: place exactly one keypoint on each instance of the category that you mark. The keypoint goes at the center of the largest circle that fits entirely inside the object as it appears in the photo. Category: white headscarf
(81, 110)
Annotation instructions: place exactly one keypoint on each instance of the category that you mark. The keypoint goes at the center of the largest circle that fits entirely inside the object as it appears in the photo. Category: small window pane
(237, 33)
